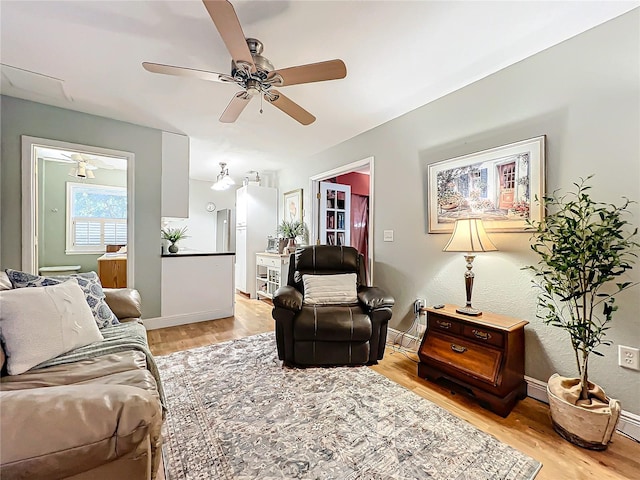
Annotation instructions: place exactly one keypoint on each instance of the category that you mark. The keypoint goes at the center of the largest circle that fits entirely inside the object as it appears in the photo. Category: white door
(335, 214)
(241, 259)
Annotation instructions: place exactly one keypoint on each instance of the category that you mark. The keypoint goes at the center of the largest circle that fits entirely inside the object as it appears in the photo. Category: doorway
(77, 204)
(363, 169)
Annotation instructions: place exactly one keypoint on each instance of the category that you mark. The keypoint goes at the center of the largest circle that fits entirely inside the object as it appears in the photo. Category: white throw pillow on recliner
(40, 323)
(339, 289)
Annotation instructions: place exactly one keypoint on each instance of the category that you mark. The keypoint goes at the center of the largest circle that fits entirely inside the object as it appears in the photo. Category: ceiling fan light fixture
(253, 88)
(82, 170)
(223, 180)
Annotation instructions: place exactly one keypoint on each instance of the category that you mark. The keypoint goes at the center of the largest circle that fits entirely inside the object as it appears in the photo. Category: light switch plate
(388, 236)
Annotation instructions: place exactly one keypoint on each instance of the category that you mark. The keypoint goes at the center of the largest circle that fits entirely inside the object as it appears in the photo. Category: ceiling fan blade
(235, 107)
(224, 17)
(97, 163)
(183, 72)
(289, 107)
(313, 72)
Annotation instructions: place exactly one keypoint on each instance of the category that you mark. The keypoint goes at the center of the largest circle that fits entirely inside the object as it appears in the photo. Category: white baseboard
(397, 337)
(629, 423)
(173, 320)
(536, 389)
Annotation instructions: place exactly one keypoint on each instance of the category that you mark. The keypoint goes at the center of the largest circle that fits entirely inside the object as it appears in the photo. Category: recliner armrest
(287, 297)
(374, 298)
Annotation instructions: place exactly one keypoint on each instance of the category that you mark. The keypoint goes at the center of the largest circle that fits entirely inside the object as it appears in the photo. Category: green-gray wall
(21, 117)
(584, 96)
(52, 182)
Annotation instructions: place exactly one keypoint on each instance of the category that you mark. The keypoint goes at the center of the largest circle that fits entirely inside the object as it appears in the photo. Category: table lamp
(470, 237)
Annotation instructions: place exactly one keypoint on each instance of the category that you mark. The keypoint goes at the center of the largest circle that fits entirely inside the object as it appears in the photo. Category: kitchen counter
(195, 288)
(188, 253)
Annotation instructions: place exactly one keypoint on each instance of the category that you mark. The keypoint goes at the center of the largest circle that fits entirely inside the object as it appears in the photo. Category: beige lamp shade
(469, 235)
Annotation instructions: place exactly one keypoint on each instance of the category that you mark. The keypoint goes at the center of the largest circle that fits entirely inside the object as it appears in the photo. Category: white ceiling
(399, 55)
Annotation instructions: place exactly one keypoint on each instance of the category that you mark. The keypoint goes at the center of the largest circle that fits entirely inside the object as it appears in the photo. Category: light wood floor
(527, 428)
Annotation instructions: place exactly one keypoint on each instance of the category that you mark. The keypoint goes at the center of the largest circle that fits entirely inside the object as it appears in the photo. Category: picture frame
(292, 205)
(498, 185)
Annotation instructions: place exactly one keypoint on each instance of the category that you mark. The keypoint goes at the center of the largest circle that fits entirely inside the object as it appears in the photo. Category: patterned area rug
(236, 413)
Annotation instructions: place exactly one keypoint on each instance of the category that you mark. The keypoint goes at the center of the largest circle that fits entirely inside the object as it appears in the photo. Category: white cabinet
(256, 219)
(335, 214)
(271, 273)
(175, 176)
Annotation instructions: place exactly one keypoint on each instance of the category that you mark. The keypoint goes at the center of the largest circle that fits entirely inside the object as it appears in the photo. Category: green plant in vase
(292, 230)
(173, 235)
(584, 246)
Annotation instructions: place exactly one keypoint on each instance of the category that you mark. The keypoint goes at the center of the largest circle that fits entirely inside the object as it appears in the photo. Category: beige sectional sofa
(94, 418)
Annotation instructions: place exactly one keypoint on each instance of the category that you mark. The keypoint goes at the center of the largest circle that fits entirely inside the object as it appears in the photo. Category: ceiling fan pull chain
(261, 100)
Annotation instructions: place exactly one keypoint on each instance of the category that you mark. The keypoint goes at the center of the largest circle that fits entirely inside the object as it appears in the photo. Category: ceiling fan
(85, 165)
(251, 71)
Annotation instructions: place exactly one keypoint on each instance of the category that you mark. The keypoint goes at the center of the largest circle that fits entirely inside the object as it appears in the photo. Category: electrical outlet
(629, 357)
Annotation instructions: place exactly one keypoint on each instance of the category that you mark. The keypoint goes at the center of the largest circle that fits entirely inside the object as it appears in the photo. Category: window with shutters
(96, 217)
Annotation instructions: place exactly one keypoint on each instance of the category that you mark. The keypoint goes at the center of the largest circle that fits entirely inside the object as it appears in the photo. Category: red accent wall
(359, 182)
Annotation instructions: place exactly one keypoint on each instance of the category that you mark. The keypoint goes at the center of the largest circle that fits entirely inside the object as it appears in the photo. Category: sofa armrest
(56, 432)
(374, 298)
(288, 297)
(125, 303)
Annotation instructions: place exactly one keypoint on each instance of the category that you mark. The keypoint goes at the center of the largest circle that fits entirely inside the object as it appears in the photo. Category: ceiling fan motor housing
(263, 65)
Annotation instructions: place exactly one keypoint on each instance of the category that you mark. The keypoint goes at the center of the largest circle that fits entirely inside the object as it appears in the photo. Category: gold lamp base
(469, 310)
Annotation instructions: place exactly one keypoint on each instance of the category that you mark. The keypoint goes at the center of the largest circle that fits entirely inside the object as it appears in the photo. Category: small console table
(271, 273)
(483, 354)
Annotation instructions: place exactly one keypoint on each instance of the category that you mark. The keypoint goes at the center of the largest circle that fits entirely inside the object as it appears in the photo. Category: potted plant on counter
(584, 246)
(291, 230)
(173, 235)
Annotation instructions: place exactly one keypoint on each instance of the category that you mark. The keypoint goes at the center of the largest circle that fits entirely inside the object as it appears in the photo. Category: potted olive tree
(291, 230)
(584, 246)
(173, 235)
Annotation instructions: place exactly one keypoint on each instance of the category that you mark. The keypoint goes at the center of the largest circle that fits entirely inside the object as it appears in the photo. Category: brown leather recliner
(353, 334)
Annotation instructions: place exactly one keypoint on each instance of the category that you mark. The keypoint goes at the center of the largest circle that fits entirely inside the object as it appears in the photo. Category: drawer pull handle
(481, 335)
(458, 348)
(444, 325)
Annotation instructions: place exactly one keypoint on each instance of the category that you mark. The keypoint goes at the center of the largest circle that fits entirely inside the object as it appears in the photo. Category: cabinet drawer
(444, 324)
(485, 335)
(467, 357)
(268, 261)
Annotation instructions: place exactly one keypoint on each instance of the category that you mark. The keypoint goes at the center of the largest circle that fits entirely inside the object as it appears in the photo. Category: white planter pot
(588, 427)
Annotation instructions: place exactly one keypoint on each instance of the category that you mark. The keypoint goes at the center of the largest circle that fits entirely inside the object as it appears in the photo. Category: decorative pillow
(330, 289)
(38, 324)
(89, 283)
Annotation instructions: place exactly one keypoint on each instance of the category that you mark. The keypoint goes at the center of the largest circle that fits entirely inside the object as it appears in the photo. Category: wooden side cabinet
(484, 355)
(112, 271)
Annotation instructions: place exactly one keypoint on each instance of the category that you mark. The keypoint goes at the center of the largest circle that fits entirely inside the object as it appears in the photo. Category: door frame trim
(314, 187)
(30, 197)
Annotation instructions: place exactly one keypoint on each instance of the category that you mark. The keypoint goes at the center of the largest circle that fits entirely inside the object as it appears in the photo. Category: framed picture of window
(292, 207)
(498, 185)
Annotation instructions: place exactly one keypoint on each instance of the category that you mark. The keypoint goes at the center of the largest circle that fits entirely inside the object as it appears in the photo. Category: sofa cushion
(95, 370)
(337, 289)
(37, 324)
(89, 282)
